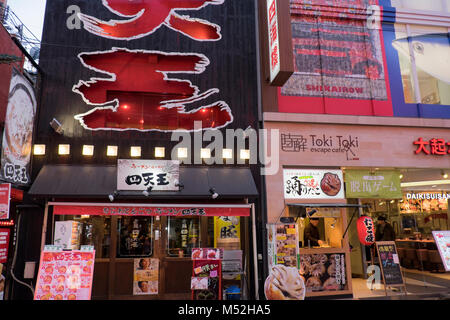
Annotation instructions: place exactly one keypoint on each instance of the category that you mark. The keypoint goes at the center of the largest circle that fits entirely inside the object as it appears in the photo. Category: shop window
(428, 46)
(183, 236)
(135, 237)
(84, 230)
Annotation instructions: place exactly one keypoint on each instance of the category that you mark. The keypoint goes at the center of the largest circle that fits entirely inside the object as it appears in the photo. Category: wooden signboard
(390, 265)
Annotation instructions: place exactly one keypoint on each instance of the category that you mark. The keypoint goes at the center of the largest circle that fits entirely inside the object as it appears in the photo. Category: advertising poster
(389, 263)
(227, 232)
(5, 197)
(376, 185)
(4, 244)
(338, 54)
(284, 283)
(442, 239)
(206, 280)
(146, 276)
(323, 272)
(160, 175)
(313, 184)
(18, 132)
(283, 245)
(65, 275)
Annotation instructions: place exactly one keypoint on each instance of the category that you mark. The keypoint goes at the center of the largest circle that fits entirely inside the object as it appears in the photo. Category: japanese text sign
(160, 175)
(274, 43)
(4, 244)
(5, 196)
(65, 275)
(435, 146)
(313, 184)
(364, 184)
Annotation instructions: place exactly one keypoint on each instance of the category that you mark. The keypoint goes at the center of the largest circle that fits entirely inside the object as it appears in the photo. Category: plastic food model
(284, 283)
(330, 184)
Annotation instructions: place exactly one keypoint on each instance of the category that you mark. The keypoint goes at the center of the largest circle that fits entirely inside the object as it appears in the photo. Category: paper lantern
(366, 230)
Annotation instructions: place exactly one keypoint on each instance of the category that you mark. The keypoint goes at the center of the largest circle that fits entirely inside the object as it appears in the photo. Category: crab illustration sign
(137, 91)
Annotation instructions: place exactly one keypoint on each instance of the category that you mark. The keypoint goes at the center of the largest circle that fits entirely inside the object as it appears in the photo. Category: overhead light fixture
(111, 151)
(205, 153)
(392, 201)
(227, 153)
(160, 152)
(179, 185)
(39, 149)
(113, 195)
(214, 194)
(63, 149)
(57, 126)
(444, 174)
(147, 191)
(182, 153)
(245, 154)
(88, 150)
(135, 152)
(311, 213)
(400, 176)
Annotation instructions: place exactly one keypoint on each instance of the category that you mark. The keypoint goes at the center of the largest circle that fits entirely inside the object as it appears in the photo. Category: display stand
(206, 281)
(391, 270)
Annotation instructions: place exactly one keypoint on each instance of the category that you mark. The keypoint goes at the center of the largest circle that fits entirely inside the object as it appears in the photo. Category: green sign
(369, 184)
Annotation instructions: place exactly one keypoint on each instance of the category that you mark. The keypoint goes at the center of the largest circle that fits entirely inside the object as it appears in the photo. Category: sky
(31, 13)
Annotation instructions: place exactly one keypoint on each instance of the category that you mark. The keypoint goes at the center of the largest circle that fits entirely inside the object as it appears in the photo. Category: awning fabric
(106, 209)
(98, 181)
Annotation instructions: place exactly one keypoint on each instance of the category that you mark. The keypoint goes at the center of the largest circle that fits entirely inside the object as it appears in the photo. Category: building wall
(231, 72)
(354, 58)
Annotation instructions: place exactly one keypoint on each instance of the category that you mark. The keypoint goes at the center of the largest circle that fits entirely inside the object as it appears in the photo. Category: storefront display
(65, 275)
(206, 281)
(283, 245)
(67, 234)
(5, 197)
(390, 264)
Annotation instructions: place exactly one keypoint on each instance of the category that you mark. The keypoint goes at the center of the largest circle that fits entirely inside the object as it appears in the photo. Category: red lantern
(366, 230)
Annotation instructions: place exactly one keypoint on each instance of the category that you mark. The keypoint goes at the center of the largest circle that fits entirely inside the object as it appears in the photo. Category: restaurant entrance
(160, 236)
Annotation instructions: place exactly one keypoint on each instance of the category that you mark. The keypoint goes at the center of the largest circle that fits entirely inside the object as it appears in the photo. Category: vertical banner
(4, 244)
(18, 133)
(146, 276)
(227, 233)
(5, 197)
(65, 275)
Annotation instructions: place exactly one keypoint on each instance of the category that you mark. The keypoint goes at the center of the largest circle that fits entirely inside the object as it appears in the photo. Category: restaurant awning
(98, 181)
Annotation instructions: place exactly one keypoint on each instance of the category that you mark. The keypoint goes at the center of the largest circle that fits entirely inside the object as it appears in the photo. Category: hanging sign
(366, 230)
(313, 184)
(65, 275)
(138, 175)
(4, 244)
(5, 196)
(380, 184)
(274, 43)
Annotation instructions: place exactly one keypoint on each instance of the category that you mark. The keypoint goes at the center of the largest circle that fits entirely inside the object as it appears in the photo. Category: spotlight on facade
(57, 126)
(147, 191)
(214, 194)
(113, 195)
(444, 174)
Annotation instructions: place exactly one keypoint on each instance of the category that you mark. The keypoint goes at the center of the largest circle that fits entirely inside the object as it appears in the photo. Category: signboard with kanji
(274, 43)
(432, 147)
(379, 184)
(390, 263)
(159, 175)
(313, 184)
(65, 275)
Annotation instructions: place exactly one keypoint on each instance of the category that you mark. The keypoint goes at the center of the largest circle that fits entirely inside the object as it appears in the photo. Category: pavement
(420, 285)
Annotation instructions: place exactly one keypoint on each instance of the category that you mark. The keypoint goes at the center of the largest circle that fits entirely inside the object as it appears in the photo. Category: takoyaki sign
(313, 184)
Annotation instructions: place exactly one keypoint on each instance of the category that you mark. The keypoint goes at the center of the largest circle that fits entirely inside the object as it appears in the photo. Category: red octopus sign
(137, 92)
(145, 16)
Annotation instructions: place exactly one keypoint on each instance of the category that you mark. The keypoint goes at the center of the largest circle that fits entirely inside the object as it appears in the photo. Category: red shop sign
(366, 230)
(4, 244)
(435, 146)
(130, 210)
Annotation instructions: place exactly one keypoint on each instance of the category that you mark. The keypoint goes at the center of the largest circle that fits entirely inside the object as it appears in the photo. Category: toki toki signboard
(139, 175)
